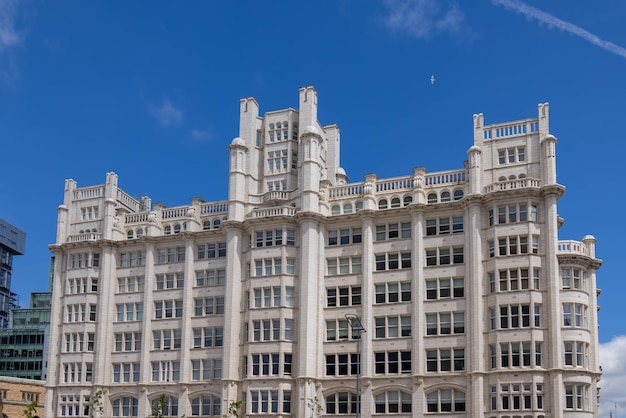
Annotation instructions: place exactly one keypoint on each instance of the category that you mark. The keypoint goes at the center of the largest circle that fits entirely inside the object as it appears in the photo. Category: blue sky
(151, 89)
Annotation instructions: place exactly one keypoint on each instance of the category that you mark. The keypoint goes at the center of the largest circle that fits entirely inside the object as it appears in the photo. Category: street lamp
(356, 325)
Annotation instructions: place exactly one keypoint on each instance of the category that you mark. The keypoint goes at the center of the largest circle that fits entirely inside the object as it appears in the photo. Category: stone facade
(17, 393)
(470, 304)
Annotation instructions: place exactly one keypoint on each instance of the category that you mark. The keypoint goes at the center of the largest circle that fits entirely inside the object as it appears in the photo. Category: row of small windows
(176, 228)
(445, 196)
(280, 131)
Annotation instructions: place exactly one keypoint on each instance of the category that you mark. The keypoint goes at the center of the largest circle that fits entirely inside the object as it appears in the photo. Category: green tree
(31, 409)
(159, 408)
(96, 405)
(233, 409)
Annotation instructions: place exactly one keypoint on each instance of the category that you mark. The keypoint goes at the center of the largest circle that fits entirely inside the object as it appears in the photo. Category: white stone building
(471, 305)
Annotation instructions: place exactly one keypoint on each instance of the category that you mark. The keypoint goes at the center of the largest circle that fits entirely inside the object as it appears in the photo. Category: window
(512, 245)
(512, 280)
(268, 297)
(132, 259)
(206, 369)
(208, 337)
(345, 236)
(573, 278)
(516, 316)
(577, 397)
(445, 288)
(169, 281)
(445, 360)
(342, 364)
(166, 339)
(273, 237)
(83, 260)
(513, 213)
(445, 400)
(393, 231)
(169, 406)
(511, 155)
(392, 326)
(212, 250)
(343, 265)
(574, 315)
(269, 364)
(168, 309)
(165, 371)
(576, 353)
(89, 213)
(125, 407)
(126, 372)
(444, 256)
(209, 306)
(127, 341)
(270, 330)
(338, 330)
(445, 323)
(343, 296)
(341, 403)
(129, 312)
(516, 397)
(515, 354)
(393, 402)
(210, 277)
(206, 406)
(392, 292)
(170, 255)
(393, 261)
(267, 401)
(130, 284)
(69, 405)
(392, 362)
(446, 225)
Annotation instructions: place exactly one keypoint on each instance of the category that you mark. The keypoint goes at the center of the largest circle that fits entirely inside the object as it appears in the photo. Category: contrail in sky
(553, 21)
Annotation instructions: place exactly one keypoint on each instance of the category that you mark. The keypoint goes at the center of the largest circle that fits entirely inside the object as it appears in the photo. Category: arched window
(177, 228)
(393, 402)
(408, 200)
(206, 225)
(512, 177)
(126, 406)
(521, 176)
(341, 403)
(129, 234)
(445, 400)
(206, 406)
(359, 206)
(458, 194)
(166, 405)
(347, 208)
(93, 230)
(502, 178)
(216, 224)
(432, 197)
(139, 232)
(445, 196)
(382, 204)
(335, 210)
(167, 230)
(395, 202)
(82, 231)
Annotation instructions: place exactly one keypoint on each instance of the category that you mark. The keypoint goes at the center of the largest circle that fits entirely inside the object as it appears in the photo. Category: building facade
(12, 243)
(24, 345)
(469, 303)
(17, 394)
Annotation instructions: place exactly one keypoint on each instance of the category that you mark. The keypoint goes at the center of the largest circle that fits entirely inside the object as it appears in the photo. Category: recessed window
(432, 197)
(382, 204)
(445, 196)
(458, 194)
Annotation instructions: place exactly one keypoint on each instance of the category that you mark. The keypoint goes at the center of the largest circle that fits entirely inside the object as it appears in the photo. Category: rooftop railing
(572, 247)
(88, 192)
(446, 178)
(214, 208)
(507, 130)
(512, 184)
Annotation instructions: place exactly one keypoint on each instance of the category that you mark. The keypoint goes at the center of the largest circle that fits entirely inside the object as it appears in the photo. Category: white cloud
(612, 355)
(555, 22)
(9, 36)
(424, 18)
(166, 113)
(203, 135)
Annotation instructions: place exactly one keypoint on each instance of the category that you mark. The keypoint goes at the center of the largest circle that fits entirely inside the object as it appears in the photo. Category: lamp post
(356, 325)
